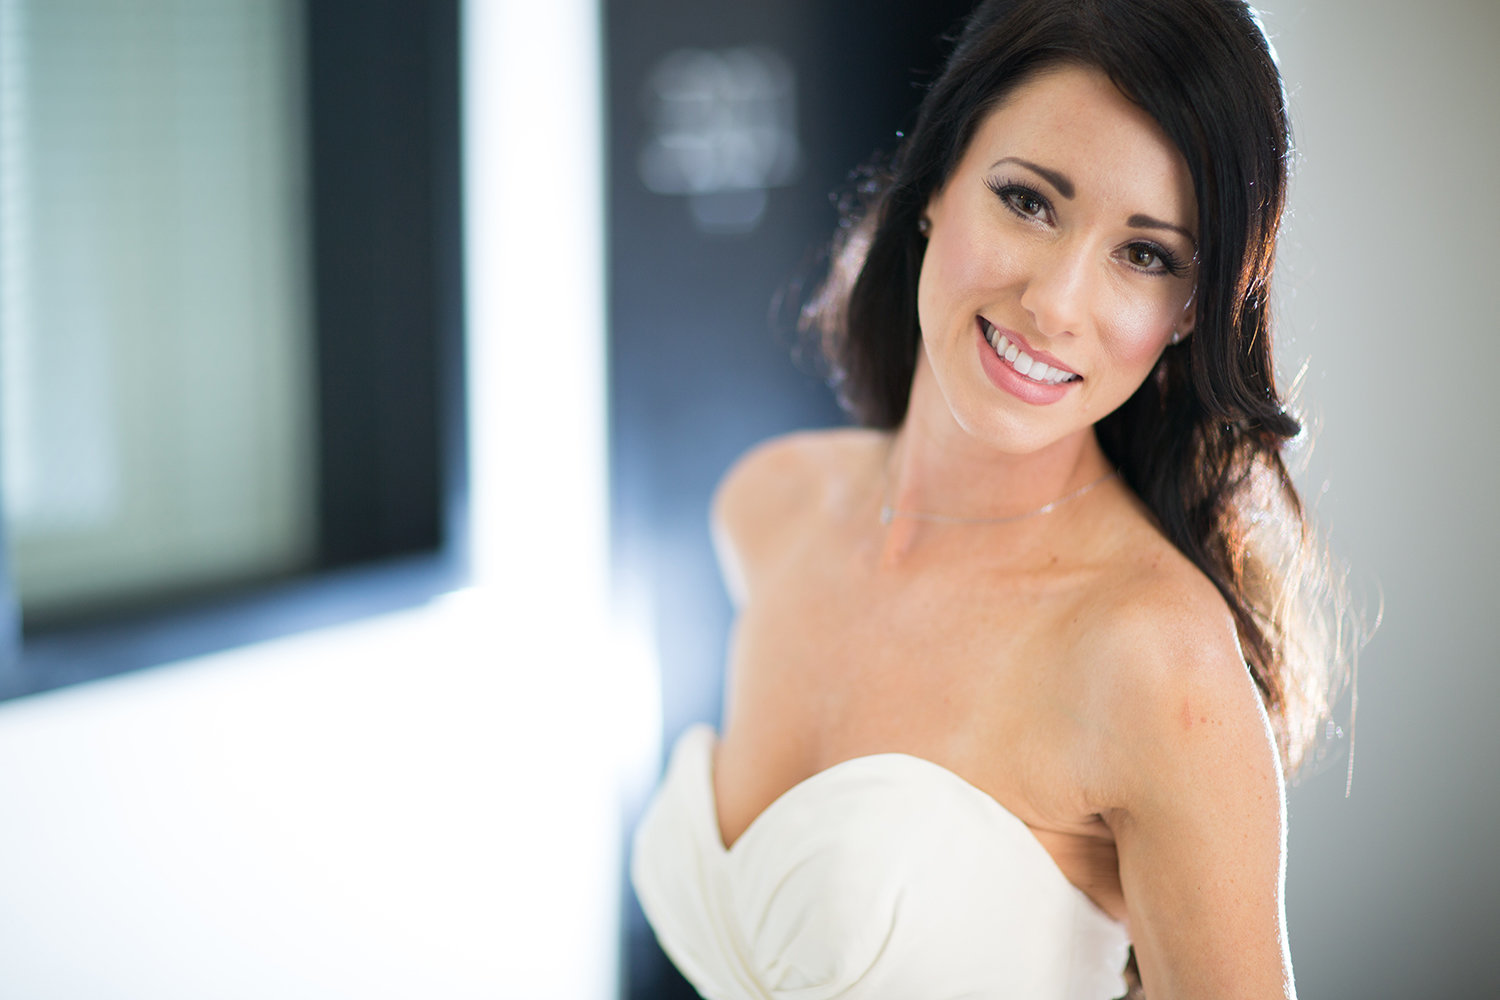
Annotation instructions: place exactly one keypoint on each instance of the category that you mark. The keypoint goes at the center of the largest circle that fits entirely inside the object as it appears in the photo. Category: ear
(930, 211)
(1187, 321)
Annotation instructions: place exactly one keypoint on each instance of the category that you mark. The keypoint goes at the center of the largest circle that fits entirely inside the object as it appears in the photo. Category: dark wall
(699, 370)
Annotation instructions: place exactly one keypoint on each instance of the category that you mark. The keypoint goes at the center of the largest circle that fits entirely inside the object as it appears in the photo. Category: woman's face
(1067, 236)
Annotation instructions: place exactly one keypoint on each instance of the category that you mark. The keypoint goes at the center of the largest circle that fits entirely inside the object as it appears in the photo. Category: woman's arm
(1201, 826)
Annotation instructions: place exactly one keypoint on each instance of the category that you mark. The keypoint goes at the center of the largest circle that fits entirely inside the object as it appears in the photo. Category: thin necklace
(889, 513)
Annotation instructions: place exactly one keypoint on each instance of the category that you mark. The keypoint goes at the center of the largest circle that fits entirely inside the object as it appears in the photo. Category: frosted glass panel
(154, 325)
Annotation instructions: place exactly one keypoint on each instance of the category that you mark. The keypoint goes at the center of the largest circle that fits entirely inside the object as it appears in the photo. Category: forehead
(1074, 120)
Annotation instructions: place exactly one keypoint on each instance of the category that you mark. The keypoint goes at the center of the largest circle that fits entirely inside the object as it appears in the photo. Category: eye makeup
(1027, 203)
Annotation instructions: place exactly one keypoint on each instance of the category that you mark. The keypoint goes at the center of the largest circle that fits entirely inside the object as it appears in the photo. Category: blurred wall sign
(723, 130)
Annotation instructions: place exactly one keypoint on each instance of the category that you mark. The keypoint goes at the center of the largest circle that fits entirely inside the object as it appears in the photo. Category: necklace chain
(889, 513)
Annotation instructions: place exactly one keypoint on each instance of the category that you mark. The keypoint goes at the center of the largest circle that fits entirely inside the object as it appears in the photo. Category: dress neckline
(706, 740)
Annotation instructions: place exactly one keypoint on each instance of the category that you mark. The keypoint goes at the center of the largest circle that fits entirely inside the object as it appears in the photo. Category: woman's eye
(1144, 257)
(1025, 202)
(1020, 199)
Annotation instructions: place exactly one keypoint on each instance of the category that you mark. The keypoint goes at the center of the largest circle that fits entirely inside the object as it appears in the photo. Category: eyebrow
(1065, 188)
(1057, 180)
(1146, 222)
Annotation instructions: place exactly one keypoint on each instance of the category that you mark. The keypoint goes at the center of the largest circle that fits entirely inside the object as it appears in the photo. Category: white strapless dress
(885, 877)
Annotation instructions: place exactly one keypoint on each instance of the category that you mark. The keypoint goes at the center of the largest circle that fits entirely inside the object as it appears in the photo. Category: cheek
(1139, 327)
(960, 273)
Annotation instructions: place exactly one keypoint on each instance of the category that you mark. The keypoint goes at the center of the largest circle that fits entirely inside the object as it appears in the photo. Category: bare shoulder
(1191, 783)
(1163, 642)
(775, 488)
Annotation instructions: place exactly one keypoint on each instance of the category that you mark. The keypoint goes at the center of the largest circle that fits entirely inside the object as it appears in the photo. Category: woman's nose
(1057, 289)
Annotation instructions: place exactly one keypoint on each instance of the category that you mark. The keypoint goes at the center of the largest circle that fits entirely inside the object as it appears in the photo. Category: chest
(931, 658)
(960, 667)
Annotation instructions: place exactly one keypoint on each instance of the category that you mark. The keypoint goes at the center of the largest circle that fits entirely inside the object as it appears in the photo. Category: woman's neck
(936, 467)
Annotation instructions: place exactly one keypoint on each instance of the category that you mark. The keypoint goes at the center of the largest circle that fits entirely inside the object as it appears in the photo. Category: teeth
(1024, 363)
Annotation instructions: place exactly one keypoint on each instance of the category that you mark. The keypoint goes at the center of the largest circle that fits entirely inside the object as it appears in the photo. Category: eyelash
(1171, 264)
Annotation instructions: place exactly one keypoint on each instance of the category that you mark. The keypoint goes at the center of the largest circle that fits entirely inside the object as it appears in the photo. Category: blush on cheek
(967, 269)
(1137, 336)
(976, 264)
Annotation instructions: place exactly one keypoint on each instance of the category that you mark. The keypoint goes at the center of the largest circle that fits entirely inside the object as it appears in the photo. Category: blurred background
(365, 370)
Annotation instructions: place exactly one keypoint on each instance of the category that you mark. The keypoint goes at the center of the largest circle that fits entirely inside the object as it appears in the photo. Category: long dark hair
(1201, 441)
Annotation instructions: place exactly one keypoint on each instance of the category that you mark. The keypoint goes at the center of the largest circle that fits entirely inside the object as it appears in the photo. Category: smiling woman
(1020, 665)
(1049, 225)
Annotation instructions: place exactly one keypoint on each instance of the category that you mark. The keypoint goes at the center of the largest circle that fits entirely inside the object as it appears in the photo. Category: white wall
(1387, 287)
(412, 807)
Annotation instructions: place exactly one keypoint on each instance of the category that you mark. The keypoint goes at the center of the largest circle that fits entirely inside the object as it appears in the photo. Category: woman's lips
(1003, 374)
(1035, 365)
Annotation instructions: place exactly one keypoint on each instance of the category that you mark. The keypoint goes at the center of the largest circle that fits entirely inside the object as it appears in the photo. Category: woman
(1019, 666)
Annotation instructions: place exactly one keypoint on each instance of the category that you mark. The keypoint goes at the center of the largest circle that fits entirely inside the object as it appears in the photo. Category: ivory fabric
(886, 876)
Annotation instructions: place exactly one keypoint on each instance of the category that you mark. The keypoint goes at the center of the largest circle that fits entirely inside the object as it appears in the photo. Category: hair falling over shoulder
(1204, 440)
